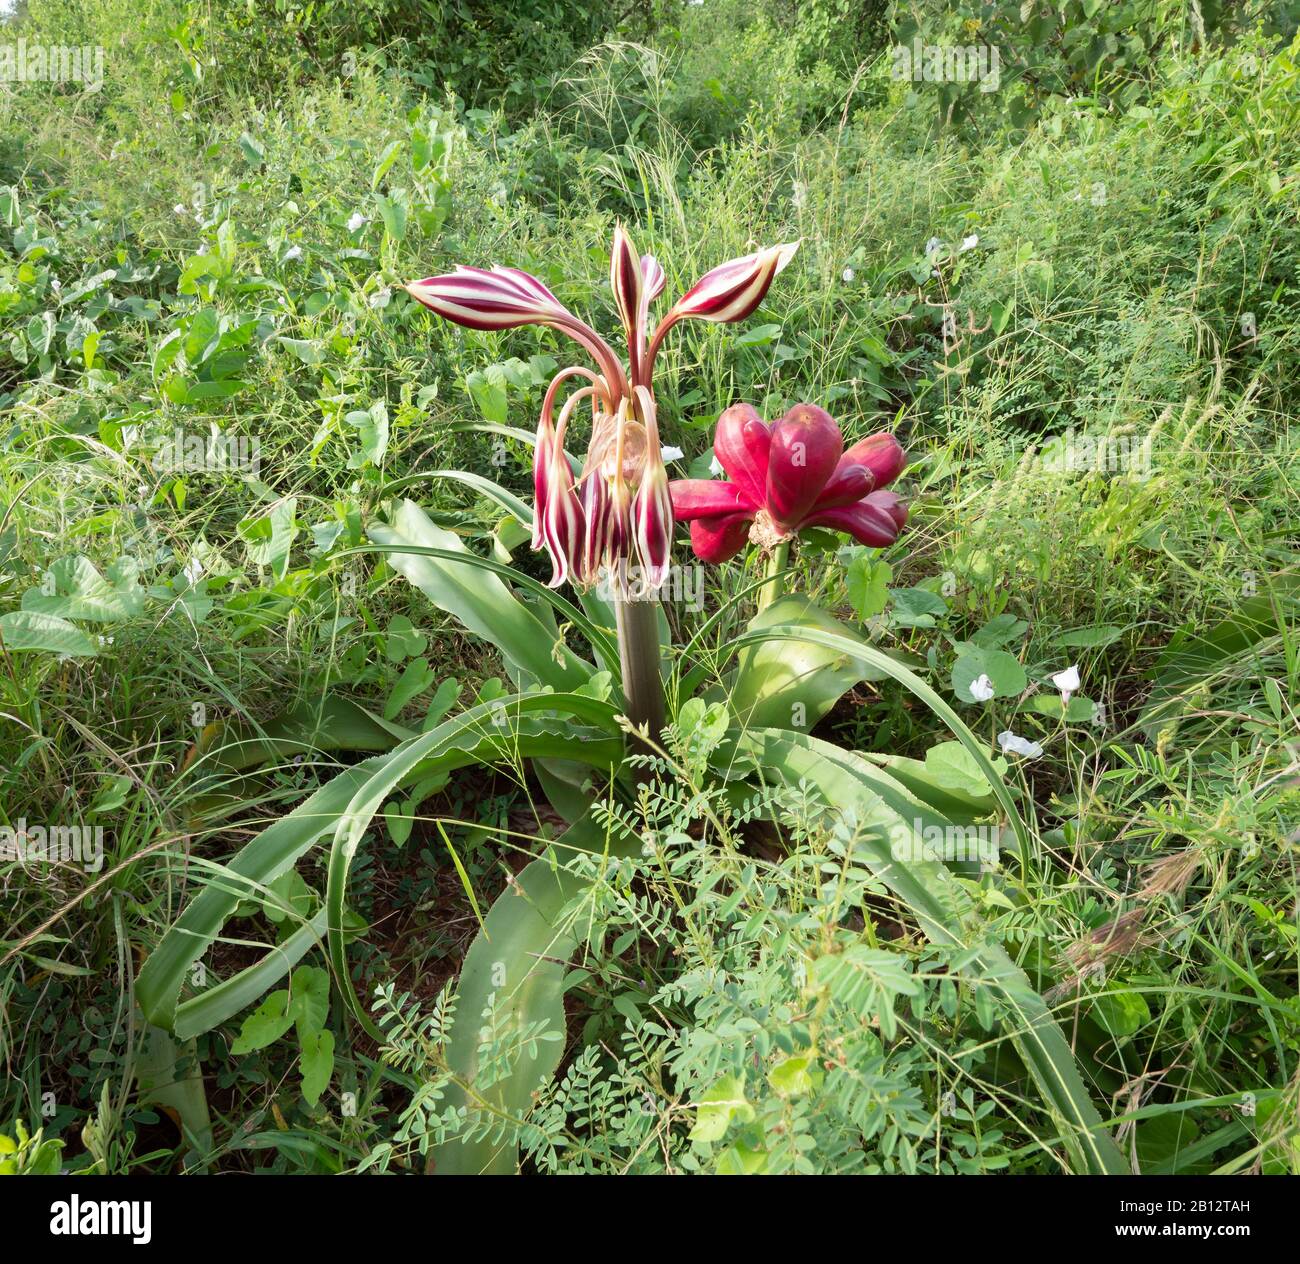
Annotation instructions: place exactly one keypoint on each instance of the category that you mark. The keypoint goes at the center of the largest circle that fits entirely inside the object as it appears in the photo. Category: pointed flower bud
(652, 506)
(733, 290)
(505, 298)
(625, 278)
(496, 298)
(559, 511)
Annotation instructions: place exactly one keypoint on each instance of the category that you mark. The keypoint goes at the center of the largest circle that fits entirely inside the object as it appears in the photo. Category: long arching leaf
(505, 738)
(855, 647)
(468, 738)
(470, 588)
(855, 790)
(517, 962)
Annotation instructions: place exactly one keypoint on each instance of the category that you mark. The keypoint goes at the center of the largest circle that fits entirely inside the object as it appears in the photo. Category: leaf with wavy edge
(329, 723)
(855, 647)
(508, 501)
(946, 915)
(470, 588)
(521, 957)
(770, 679)
(466, 739)
(601, 749)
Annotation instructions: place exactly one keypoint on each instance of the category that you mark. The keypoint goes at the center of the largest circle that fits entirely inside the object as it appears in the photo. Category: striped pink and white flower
(620, 508)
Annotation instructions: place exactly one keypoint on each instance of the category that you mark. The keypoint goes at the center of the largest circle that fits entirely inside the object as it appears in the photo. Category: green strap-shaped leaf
(503, 738)
(328, 723)
(520, 957)
(856, 647)
(468, 738)
(773, 678)
(470, 588)
(508, 501)
(853, 788)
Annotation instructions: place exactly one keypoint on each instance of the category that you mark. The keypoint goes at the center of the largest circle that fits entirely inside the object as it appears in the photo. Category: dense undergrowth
(1085, 325)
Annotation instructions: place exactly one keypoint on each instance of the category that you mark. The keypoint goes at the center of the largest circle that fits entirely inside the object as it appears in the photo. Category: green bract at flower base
(570, 714)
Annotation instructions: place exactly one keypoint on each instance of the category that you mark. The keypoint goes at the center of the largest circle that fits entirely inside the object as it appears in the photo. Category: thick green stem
(638, 651)
(775, 585)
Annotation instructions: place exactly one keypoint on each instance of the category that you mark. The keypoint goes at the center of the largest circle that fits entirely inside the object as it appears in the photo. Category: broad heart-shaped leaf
(949, 780)
(316, 1061)
(29, 630)
(520, 957)
(265, 1025)
(718, 1106)
(476, 598)
(309, 992)
(790, 683)
(471, 737)
(1005, 674)
(79, 591)
(882, 815)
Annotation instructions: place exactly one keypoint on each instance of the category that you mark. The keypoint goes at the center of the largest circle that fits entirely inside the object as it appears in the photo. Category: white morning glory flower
(932, 245)
(1067, 682)
(671, 454)
(294, 252)
(981, 688)
(356, 221)
(192, 570)
(1013, 745)
(969, 243)
(714, 468)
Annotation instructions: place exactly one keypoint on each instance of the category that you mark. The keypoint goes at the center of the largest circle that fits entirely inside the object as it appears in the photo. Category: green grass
(1118, 254)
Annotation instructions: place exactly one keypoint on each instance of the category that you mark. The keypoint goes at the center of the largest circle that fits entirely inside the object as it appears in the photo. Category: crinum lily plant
(767, 679)
(617, 516)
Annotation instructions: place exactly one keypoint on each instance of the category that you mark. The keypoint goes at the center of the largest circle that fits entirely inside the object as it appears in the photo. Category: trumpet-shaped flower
(620, 507)
(1011, 744)
(789, 475)
(1067, 682)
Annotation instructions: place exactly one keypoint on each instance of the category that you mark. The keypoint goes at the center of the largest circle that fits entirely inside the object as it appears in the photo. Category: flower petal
(563, 526)
(806, 448)
(501, 298)
(543, 454)
(848, 485)
(652, 279)
(707, 498)
(652, 525)
(597, 526)
(741, 443)
(718, 539)
(881, 453)
(874, 521)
